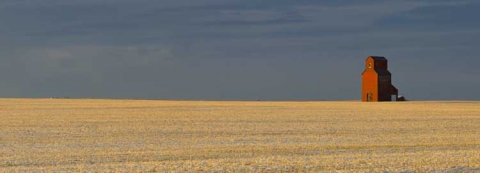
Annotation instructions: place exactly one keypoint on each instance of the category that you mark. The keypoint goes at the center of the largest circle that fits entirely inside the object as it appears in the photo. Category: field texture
(67, 135)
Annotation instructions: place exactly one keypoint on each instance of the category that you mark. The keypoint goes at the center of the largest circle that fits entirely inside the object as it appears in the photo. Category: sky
(237, 49)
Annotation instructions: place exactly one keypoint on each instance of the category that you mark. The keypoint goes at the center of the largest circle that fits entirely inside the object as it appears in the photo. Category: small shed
(377, 81)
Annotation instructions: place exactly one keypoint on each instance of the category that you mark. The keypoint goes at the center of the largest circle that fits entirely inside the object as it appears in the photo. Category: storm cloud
(236, 50)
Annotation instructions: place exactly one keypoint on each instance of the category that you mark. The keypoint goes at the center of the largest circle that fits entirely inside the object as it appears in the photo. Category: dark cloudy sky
(237, 49)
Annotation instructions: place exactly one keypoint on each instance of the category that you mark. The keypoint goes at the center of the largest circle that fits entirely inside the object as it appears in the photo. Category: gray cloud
(449, 16)
(212, 49)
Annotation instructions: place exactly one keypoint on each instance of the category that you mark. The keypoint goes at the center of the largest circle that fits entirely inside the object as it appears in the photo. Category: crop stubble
(85, 135)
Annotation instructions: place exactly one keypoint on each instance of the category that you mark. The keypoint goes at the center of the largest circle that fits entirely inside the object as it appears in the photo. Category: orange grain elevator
(377, 81)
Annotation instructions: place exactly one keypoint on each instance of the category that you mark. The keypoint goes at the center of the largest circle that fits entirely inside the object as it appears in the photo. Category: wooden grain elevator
(377, 81)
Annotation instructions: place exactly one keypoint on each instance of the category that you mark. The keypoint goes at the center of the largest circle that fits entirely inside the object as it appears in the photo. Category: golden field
(94, 135)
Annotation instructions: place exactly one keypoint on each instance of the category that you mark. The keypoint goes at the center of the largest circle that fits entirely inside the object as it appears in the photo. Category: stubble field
(82, 135)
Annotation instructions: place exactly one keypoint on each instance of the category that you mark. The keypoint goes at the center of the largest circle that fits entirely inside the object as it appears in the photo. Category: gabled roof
(378, 58)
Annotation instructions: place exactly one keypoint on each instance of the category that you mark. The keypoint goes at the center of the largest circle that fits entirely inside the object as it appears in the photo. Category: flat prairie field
(95, 135)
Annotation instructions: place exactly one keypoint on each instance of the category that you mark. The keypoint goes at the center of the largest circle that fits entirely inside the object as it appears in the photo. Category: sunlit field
(80, 135)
